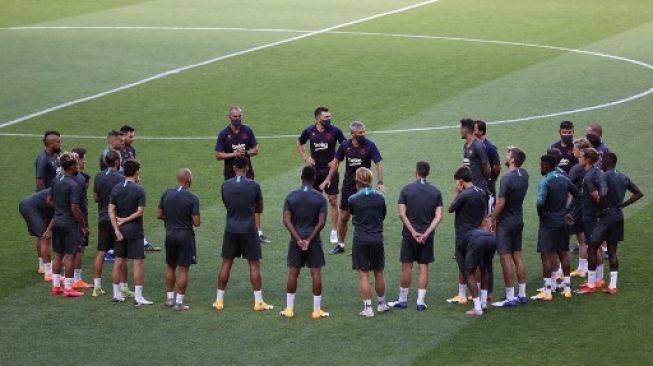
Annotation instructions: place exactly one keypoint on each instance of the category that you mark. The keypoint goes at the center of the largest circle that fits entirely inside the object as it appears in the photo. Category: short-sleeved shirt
(83, 180)
(47, 167)
(322, 144)
(128, 153)
(305, 206)
(513, 188)
(594, 180)
(65, 192)
(103, 161)
(128, 196)
(240, 196)
(179, 205)
(102, 185)
(228, 141)
(368, 211)
(39, 201)
(617, 183)
(552, 199)
(470, 207)
(421, 200)
(356, 157)
(567, 160)
(474, 157)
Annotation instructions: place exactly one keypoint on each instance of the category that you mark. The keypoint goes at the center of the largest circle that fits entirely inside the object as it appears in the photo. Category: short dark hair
(566, 125)
(610, 159)
(481, 125)
(241, 162)
(319, 111)
(127, 128)
(111, 158)
(131, 166)
(518, 156)
(594, 139)
(308, 174)
(66, 160)
(463, 173)
(80, 151)
(555, 152)
(423, 168)
(48, 133)
(467, 123)
(591, 154)
(114, 133)
(549, 160)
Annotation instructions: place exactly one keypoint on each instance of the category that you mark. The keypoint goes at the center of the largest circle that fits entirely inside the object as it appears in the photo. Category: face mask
(567, 139)
(360, 139)
(326, 122)
(56, 150)
(236, 122)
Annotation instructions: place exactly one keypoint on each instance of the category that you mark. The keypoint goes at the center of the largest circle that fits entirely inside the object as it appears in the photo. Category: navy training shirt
(102, 185)
(421, 200)
(368, 211)
(228, 141)
(128, 196)
(179, 205)
(65, 192)
(47, 167)
(552, 199)
(322, 144)
(513, 187)
(594, 180)
(470, 206)
(305, 206)
(356, 157)
(240, 196)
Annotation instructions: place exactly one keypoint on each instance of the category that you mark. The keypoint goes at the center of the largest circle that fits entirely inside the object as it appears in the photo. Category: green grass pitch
(375, 70)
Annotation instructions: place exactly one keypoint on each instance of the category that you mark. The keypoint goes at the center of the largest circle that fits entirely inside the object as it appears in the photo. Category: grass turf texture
(387, 82)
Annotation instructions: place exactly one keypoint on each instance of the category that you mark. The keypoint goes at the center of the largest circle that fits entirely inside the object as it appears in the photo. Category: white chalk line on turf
(214, 60)
(158, 28)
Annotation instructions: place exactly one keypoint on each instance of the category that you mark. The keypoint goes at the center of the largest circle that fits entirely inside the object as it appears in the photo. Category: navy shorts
(36, 222)
(368, 257)
(552, 240)
(313, 257)
(412, 251)
(609, 229)
(130, 248)
(320, 176)
(245, 245)
(106, 236)
(180, 248)
(66, 240)
(344, 197)
(509, 238)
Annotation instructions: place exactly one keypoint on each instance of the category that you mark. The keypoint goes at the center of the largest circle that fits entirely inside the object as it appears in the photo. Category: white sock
(41, 263)
(522, 290)
(547, 286)
(48, 268)
(180, 299)
(367, 303)
(403, 294)
(138, 289)
(170, 295)
(567, 282)
(220, 295)
(124, 286)
(559, 268)
(116, 291)
(483, 297)
(258, 296)
(334, 231)
(582, 264)
(77, 274)
(599, 272)
(381, 300)
(97, 282)
(68, 283)
(462, 290)
(478, 285)
(317, 302)
(477, 304)
(56, 280)
(510, 293)
(591, 278)
(342, 244)
(613, 279)
(421, 294)
(290, 300)
(260, 232)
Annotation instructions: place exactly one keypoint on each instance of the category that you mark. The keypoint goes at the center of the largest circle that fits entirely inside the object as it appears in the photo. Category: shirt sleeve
(141, 198)
(541, 193)
(479, 149)
(41, 167)
(376, 155)
(340, 136)
(161, 200)
(219, 143)
(340, 153)
(112, 196)
(493, 155)
(303, 137)
(571, 188)
(351, 205)
(438, 201)
(402, 197)
(259, 194)
(195, 207)
(286, 204)
(76, 194)
(323, 206)
(252, 139)
(503, 186)
(588, 184)
(458, 201)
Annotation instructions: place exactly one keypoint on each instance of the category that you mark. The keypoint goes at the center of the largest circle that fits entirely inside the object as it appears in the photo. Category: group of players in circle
(581, 193)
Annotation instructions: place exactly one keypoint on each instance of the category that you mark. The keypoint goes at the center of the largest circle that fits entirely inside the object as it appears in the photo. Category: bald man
(179, 208)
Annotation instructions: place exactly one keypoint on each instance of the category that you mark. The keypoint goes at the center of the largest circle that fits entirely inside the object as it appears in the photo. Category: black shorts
(66, 240)
(106, 236)
(130, 248)
(320, 176)
(609, 229)
(368, 257)
(412, 251)
(552, 240)
(180, 248)
(344, 197)
(313, 257)
(588, 228)
(509, 237)
(476, 255)
(36, 222)
(241, 245)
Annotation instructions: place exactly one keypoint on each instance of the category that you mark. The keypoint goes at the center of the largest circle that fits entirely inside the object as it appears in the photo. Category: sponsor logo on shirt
(564, 162)
(466, 162)
(238, 146)
(320, 146)
(355, 161)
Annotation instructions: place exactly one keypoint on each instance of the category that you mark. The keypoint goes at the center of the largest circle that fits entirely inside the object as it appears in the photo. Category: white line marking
(160, 28)
(213, 60)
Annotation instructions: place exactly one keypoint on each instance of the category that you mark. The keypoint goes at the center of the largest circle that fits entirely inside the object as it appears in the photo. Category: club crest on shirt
(244, 136)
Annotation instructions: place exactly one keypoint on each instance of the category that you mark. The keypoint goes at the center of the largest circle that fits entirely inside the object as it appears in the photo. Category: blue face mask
(236, 122)
(360, 139)
(567, 139)
(326, 122)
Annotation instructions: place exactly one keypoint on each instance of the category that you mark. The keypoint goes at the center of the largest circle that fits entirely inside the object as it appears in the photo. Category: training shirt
(39, 201)
(470, 206)
(421, 200)
(240, 196)
(65, 192)
(513, 187)
(568, 160)
(102, 185)
(305, 205)
(228, 141)
(617, 183)
(594, 180)
(552, 199)
(368, 211)
(47, 167)
(322, 144)
(128, 196)
(474, 157)
(179, 205)
(356, 157)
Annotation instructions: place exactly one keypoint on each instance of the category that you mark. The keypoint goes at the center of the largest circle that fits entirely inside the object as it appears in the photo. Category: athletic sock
(403, 294)
(170, 295)
(367, 303)
(591, 278)
(483, 298)
(613, 279)
(317, 302)
(97, 282)
(48, 268)
(219, 295)
(567, 283)
(290, 300)
(582, 264)
(180, 299)
(510, 293)
(599, 272)
(341, 244)
(41, 263)
(116, 291)
(77, 274)
(477, 304)
(421, 295)
(260, 233)
(138, 289)
(56, 280)
(522, 290)
(381, 300)
(478, 286)
(124, 286)
(462, 291)
(258, 296)
(68, 283)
